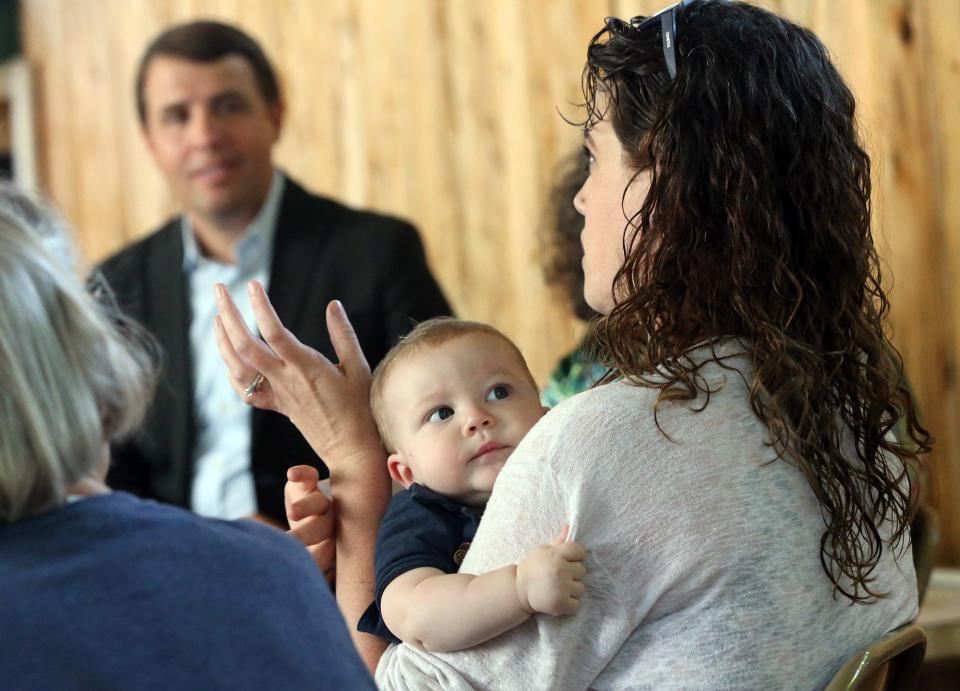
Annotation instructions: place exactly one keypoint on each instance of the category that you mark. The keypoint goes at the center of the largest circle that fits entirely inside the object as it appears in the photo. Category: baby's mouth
(486, 448)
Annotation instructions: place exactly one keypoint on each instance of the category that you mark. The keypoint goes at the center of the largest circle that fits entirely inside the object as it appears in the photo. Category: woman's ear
(399, 470)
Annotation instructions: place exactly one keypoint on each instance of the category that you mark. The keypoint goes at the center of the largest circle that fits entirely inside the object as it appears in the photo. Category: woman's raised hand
(328, 403)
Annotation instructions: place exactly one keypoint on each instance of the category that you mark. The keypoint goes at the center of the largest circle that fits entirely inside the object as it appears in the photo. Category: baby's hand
(550, 577)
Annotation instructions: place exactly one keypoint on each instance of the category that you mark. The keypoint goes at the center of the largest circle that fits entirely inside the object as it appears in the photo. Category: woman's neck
(87, 487)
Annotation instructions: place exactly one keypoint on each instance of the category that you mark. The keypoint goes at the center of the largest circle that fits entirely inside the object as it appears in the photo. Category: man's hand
(550, 577)
(310, 517)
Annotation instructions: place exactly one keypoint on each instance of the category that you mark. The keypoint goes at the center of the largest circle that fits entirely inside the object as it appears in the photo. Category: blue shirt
(114, 592)
(420, 529)
(223, 485)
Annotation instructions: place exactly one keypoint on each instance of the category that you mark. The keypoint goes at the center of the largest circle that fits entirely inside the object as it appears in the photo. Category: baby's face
(456, 412)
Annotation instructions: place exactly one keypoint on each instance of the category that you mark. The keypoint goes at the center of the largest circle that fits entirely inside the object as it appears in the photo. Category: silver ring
(255, 385)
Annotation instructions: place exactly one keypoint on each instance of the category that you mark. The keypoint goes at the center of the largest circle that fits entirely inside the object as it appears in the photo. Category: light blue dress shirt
(223, 484)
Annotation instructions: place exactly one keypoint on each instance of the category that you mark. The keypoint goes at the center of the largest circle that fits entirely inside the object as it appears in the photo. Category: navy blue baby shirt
(420, 529)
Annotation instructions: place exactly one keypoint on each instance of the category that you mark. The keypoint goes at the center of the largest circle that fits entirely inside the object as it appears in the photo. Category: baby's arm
(441, 612)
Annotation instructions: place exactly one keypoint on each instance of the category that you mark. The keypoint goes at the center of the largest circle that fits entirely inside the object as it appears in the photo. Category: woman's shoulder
(719, 369)
(183, 532)
(617, 400)
(598, 423)
(626, 418)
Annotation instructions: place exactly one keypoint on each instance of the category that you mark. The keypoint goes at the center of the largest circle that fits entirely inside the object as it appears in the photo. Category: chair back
(892, 663)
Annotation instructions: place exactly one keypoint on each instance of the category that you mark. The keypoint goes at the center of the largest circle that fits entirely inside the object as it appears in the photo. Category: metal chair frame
(892, 663)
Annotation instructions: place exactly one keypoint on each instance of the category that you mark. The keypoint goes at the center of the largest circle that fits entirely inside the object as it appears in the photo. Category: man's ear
(278, 114)
(145, 138)
(399, 470)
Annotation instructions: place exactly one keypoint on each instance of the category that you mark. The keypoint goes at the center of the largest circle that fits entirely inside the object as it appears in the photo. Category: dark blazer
(375, 265)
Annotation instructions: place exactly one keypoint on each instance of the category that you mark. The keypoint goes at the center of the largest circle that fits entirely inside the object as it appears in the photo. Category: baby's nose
(477, 421)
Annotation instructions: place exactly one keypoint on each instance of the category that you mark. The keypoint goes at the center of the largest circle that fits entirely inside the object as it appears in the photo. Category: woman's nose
(578, 201)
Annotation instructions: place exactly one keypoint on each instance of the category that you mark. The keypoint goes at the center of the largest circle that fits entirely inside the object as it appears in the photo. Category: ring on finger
(255, 385)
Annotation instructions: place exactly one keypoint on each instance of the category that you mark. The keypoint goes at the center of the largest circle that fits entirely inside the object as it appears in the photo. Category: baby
(452, 401)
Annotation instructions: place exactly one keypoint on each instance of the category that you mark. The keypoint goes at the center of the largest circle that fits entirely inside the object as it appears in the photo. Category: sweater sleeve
(529, 507)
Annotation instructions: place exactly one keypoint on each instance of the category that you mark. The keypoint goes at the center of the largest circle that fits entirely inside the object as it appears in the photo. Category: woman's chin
(600, 304)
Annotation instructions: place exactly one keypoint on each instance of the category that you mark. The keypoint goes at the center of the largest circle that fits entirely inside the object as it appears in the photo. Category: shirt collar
(255, 243)
(426, 496)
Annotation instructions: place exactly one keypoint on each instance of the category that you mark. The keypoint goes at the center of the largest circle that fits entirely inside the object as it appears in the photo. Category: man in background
(210, 112)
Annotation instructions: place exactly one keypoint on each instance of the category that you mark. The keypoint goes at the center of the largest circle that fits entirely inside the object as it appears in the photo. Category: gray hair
(74, 373)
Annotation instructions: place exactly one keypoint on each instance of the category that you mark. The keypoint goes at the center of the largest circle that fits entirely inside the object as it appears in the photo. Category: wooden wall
(448, 112)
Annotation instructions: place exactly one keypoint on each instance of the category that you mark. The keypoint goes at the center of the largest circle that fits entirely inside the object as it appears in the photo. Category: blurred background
(451, 113)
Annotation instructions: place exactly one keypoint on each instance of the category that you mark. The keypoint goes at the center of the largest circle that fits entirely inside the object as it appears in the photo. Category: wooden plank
(906, 221)
(939, 81)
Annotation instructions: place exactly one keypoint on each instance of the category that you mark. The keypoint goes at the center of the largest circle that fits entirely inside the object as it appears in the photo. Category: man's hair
(427, 334)
(75, 373)
(757, 226)
(207, 41)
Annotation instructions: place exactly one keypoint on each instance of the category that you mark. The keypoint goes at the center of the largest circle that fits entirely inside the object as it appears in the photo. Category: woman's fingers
(241, 374)
(251, 350)
(344, 340)
(328, 403)
(277, 336)
(237, 368)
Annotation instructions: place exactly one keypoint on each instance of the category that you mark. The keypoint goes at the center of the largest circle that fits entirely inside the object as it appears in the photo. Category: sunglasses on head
(667, 19)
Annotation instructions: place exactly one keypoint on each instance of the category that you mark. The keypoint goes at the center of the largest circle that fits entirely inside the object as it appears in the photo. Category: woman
(103, 590)
(744, 508)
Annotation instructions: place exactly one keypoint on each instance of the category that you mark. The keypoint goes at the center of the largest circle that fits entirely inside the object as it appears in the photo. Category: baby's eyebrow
(431, 398)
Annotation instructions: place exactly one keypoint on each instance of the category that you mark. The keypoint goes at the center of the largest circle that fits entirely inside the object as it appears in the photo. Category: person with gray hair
(101, 589)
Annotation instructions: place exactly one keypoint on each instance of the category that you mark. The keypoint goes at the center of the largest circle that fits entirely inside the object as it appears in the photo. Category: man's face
(456, 412)
(211, 133)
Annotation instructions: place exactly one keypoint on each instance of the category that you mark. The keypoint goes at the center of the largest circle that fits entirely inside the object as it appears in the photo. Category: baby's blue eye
(440, 414)
(497, 393)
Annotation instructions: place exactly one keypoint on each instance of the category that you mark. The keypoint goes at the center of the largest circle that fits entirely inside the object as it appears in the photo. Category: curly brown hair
(757, 226)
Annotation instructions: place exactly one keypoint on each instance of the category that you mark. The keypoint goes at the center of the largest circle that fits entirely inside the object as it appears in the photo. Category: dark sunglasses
(667, 19)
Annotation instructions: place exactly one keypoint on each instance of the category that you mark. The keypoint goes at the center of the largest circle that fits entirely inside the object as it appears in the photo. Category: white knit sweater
(703, 557)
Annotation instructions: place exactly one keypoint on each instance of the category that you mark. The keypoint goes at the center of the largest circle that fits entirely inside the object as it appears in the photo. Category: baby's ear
(399, 470)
